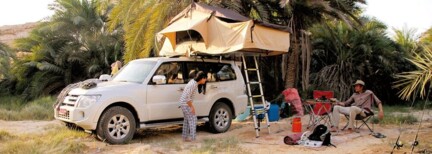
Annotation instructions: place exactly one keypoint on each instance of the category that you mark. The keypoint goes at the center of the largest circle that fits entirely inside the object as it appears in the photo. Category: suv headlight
(87, 100)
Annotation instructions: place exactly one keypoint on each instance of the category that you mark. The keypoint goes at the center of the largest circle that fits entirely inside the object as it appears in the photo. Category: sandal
(378, 135)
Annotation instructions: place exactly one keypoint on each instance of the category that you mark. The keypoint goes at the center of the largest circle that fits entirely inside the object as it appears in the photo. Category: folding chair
(320, 109)
(363, 119)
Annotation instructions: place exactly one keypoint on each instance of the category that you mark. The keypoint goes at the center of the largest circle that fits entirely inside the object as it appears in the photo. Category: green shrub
(14, 109)
(396, 119)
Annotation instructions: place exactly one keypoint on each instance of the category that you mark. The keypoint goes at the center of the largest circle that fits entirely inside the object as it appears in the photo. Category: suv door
(202, 102)
(163, 99)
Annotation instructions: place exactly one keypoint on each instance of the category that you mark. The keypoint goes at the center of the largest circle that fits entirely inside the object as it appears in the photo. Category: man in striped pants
(185, 103)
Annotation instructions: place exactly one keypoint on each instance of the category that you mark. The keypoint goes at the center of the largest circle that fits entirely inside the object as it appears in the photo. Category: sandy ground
(168, 139)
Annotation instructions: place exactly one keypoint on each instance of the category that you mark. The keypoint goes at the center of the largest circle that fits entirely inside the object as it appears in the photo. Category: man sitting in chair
(359, 103)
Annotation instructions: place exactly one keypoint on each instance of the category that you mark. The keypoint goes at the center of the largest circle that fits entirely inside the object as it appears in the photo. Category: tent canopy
(211, 30)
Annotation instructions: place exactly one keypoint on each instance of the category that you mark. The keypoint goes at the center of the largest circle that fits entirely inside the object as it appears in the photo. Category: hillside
(9, 33)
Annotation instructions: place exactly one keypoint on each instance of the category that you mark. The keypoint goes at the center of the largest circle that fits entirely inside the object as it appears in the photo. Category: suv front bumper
(82, 117)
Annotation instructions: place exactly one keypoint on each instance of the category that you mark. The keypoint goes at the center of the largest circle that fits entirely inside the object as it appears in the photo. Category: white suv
(145, 93)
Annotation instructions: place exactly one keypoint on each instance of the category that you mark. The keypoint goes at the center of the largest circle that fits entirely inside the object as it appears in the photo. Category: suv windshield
(135, 71)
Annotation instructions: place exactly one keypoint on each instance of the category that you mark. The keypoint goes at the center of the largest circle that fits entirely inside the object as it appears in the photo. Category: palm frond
(415, 82)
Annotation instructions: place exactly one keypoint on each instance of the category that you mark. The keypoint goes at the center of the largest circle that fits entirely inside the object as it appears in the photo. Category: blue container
(273, 112)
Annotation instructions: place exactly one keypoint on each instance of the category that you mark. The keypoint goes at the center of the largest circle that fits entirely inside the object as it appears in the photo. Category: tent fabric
(219, 36)
(218, 12)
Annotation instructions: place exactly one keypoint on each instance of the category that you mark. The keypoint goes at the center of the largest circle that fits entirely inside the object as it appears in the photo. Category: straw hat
(360, 82)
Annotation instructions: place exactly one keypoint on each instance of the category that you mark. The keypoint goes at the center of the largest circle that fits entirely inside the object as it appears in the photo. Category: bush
(4, 135)
(13, 108)
(396, 119)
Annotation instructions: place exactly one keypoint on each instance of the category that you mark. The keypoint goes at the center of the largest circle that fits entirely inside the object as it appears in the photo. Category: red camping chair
(320, 109)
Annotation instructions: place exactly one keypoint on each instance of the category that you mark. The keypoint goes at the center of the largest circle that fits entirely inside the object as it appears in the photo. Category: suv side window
(173, 71)
(215, 71)
(225, 72)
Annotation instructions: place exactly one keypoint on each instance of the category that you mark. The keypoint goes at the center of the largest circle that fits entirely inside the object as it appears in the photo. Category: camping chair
(363, 120)
(320, 109)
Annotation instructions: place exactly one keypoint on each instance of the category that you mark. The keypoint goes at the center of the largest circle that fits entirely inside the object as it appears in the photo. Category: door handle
(180, 89)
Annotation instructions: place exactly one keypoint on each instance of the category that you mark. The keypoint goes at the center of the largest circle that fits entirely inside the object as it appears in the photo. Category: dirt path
(168, 139)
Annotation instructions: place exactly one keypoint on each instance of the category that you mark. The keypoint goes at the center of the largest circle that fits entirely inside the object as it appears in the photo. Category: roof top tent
(205, 29)
(208, 30)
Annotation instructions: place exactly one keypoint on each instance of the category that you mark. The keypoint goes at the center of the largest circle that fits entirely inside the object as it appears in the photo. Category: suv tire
(220, 118)
(116, 126)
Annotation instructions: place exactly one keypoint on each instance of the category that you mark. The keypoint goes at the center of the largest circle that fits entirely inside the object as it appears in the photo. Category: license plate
(62, 111)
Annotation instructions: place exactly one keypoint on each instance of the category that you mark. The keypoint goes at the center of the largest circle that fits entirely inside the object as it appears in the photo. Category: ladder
(260, 111)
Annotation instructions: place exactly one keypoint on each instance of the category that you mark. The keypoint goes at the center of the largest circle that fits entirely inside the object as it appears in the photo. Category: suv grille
(70, 100)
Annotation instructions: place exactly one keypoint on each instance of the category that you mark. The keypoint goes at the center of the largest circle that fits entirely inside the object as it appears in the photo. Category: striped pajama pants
(189, 123)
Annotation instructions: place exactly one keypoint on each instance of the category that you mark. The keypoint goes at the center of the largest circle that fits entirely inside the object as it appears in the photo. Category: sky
(397, 14)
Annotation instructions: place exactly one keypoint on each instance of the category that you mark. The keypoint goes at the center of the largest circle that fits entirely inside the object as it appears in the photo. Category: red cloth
(292, 97)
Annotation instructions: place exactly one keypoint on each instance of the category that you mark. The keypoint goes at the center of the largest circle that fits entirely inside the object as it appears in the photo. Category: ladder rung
(254, 82)
(256, 96)
(252, 69)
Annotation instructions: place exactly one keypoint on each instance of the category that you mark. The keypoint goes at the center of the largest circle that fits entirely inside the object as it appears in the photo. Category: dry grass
(56, 140)
(217, 145)
(13, 109)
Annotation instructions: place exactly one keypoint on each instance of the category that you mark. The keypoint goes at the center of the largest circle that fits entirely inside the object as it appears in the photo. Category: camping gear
(321, 134)
(319, 109)
(260, 95)
(292, 97)
(293, 139)
(204, 29)
(211, 30)
(296, 125)
(363, 119)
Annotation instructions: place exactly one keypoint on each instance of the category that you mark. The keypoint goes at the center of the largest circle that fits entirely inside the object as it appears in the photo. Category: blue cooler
(273, 112)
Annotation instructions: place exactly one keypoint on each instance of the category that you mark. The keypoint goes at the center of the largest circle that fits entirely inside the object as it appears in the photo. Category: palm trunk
(306, 58)
(291, 69)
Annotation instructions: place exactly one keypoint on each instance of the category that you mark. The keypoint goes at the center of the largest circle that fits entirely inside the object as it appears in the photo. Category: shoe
(378, 135)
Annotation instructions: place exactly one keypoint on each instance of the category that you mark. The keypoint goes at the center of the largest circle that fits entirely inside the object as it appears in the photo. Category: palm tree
(416, 82)
(6, 76)
(342, 55)
(297, 15)
(6, 56)
(74, 45)
(302, 15)
(426, 37)
(406, 38)
(140, 21)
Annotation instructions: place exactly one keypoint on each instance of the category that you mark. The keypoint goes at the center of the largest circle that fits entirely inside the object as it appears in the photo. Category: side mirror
(105, 77)
(159, 79)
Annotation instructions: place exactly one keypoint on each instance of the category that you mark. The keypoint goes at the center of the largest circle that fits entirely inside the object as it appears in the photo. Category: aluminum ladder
(264, 109)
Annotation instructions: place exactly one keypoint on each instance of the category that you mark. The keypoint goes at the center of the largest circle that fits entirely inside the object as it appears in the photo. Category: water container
(273, 112)
(296, 125)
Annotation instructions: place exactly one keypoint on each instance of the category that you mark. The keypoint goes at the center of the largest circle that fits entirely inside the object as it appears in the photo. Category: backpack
(321, 133)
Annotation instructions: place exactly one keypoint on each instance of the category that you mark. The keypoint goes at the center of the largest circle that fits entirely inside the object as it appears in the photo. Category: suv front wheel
(220, 118)
(116, 126)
